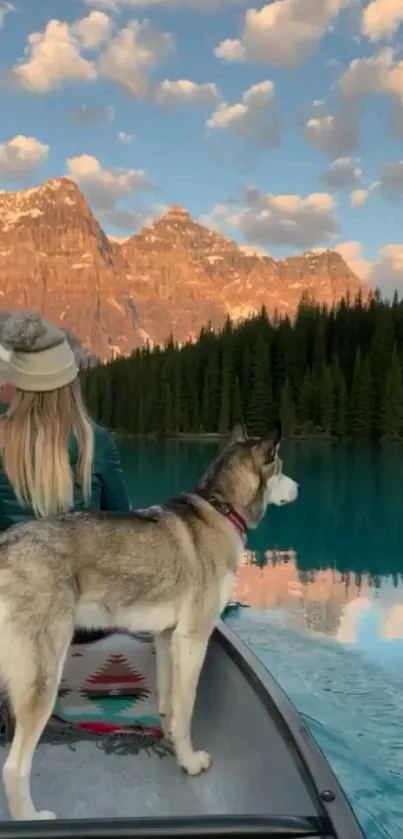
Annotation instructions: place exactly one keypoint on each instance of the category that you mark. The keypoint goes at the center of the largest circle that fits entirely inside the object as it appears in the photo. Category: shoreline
(215, 437)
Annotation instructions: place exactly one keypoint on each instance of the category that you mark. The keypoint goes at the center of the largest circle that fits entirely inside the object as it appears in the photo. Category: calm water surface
(323, 580)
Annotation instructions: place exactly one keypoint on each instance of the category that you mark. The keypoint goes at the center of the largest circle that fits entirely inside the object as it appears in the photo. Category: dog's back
(117, 561)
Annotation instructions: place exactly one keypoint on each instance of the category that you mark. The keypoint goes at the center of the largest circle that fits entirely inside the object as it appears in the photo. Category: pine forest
(324, 373)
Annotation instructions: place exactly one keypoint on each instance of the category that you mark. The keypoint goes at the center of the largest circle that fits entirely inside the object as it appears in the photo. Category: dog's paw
(46, 815)
(196, 763)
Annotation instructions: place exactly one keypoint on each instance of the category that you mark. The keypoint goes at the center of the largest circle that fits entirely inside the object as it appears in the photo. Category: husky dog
(167, 570)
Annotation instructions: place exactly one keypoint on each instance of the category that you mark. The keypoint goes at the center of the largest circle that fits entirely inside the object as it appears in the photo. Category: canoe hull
(267, 769)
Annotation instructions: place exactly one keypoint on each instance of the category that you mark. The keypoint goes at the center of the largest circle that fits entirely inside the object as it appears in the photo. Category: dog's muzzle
(282, 490)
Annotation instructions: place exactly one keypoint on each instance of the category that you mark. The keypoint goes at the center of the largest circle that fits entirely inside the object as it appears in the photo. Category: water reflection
(361, 609)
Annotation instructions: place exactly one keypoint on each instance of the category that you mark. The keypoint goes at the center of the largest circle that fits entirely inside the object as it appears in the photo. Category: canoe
(102, 765)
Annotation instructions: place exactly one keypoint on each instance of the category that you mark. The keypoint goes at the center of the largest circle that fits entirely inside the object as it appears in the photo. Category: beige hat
(40, 357)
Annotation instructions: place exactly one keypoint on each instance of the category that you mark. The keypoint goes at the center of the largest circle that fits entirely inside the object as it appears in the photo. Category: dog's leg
(163, 643)
(188, 653)
(32, 703)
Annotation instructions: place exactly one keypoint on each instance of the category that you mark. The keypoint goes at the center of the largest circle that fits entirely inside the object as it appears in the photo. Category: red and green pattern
(109, 686)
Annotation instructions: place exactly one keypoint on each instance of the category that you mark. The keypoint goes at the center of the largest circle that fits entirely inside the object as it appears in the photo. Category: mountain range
(173, 277)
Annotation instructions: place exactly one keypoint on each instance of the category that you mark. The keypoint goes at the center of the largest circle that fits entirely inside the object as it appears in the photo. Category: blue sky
(289, 136)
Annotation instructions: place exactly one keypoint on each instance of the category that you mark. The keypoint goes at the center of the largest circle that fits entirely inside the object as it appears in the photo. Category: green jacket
(108, 488)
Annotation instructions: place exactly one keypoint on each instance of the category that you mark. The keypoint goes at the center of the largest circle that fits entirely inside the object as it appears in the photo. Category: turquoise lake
(323, 580)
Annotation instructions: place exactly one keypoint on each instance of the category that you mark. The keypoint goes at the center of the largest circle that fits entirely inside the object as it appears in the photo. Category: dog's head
(248, 474)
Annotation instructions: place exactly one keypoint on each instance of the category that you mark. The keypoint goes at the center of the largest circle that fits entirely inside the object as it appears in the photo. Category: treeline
(329, 372)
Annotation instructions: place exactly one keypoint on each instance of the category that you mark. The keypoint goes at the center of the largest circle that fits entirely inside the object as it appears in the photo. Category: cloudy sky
(281, 123)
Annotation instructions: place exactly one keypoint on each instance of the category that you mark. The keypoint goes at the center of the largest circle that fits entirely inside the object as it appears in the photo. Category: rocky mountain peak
(171, 278)
(176, 213)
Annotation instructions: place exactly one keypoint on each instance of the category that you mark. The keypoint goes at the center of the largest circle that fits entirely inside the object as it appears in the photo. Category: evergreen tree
(393, 400)
(237, 414)
(226, 381)
(210, 411)
(225, 401)
(379, 358)
(260, 413)
(141, 418)
(326, 403)
(361, 399)
(305, 404)
(318, 378)
(168, 410)
(246, 381)
(340, 402)
(177, 413)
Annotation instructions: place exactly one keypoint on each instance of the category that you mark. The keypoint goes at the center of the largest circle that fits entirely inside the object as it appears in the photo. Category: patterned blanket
(109, 686)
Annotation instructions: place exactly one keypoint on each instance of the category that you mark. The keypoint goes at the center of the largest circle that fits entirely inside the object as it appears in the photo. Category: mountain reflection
(348, 606)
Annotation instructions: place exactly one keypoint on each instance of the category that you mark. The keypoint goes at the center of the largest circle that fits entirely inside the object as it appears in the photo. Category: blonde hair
(34, 437)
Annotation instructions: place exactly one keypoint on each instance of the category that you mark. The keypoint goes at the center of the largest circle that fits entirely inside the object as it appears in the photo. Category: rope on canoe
(125, 742)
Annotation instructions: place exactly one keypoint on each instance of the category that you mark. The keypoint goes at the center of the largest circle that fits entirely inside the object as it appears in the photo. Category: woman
(53, 458)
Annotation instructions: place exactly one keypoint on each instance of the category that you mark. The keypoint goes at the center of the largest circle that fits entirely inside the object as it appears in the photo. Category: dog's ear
(237, 435)
(266, 448)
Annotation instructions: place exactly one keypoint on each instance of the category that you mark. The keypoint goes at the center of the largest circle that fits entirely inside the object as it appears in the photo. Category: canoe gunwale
(213, 827)
(333, 806)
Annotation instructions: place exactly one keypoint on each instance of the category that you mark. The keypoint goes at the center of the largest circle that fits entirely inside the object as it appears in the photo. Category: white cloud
(387, 272)
(381, 73)
(53, 59)
(283, 32)
(104, 187)
(5, 8)
(21, 155)
(338, 134)
(255, 119)
(221, 217)
(359, 197)
(363, 76)
(266, 219)
(352, 254)
(125, 138)
(184, 92)
(381, 19)
(135, 50)
(301, 222)
(343, 172)
(94, 30)
(231, 49)
(391, 180)
(334, 134)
